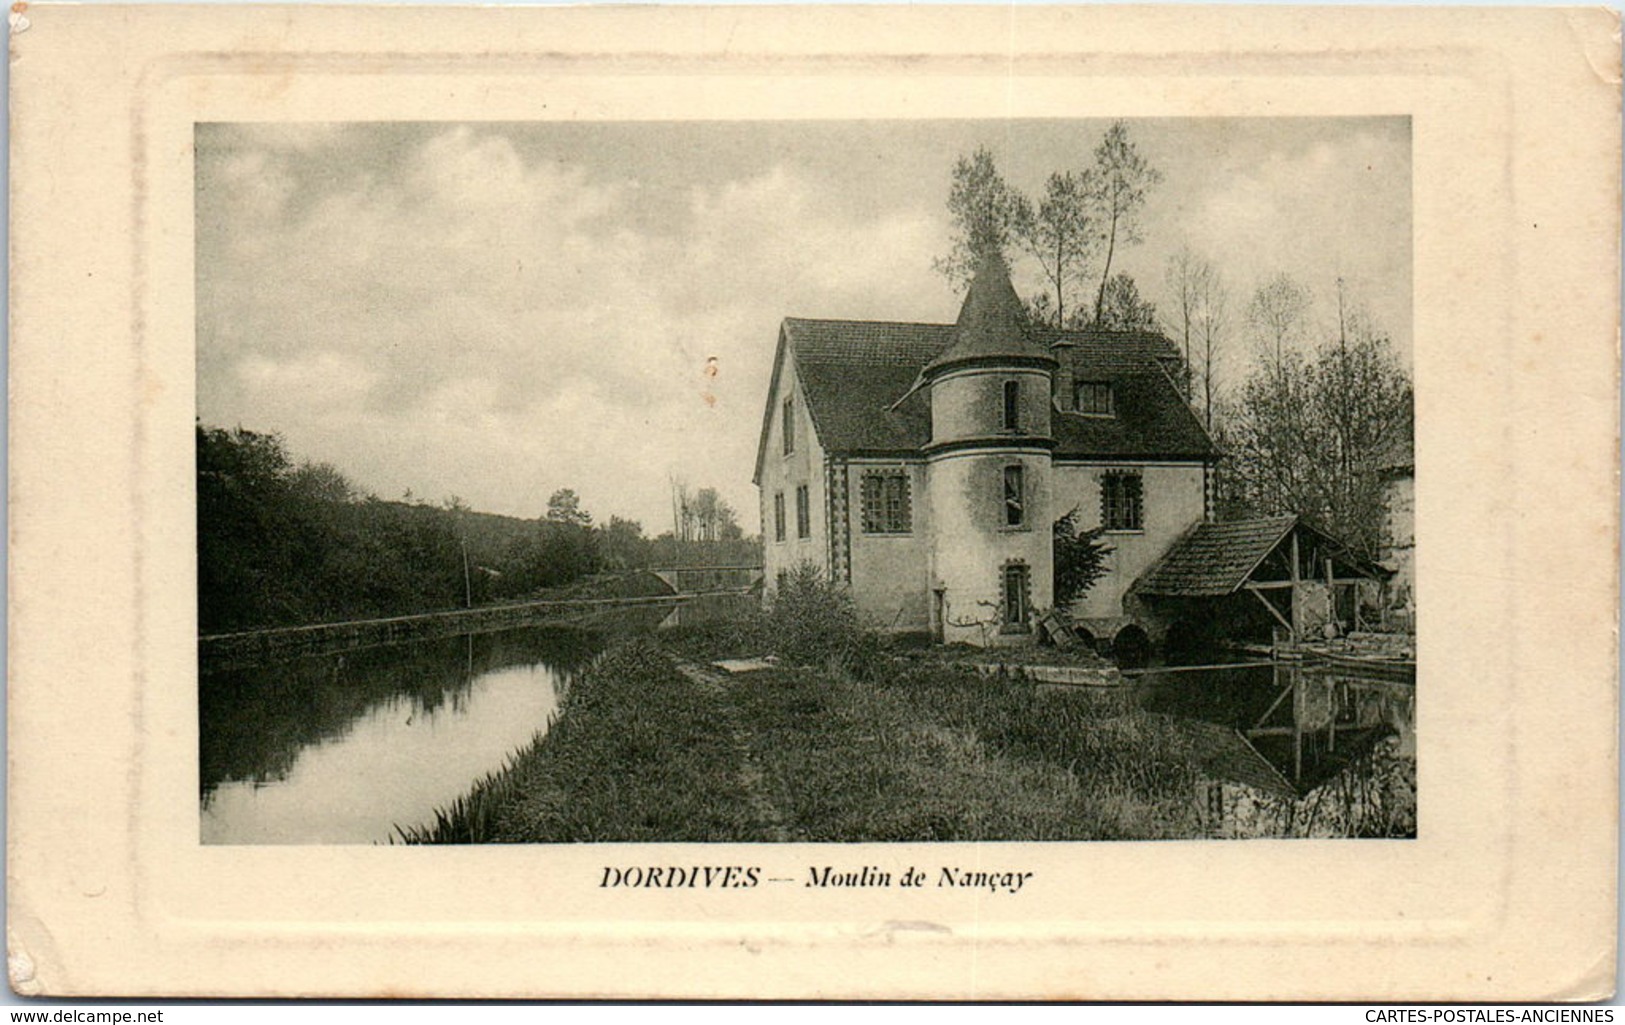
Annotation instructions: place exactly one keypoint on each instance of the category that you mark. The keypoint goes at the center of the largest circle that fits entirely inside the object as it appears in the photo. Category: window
(1012, 405)
(789, 427)
(1017, 595)
(1120, 501)
(886, 502)
(1093, 398)
(1015, 496)
(778, 516)
(803, 512)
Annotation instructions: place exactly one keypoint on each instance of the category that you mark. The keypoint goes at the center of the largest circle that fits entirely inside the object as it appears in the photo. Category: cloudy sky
(495, 311)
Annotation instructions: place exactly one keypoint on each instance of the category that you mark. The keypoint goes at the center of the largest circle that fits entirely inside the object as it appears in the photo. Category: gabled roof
(854, 373)
(990, 323)
(1215, 559)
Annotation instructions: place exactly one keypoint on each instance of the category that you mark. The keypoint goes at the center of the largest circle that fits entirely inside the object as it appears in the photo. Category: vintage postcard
(853, 503)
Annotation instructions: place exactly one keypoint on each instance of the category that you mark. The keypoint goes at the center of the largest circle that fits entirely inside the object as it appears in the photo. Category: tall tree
(1278, 316)
(1310, 432)
(1200, 317)
(621, 543)
(1183, 277)
(564, 506)
(1118, 185)
(1122, 308)
(1212, 325)
(1061, 236)
(988, 216)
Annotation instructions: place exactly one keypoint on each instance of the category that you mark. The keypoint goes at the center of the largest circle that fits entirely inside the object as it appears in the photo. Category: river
(345, 748)
(355, 747)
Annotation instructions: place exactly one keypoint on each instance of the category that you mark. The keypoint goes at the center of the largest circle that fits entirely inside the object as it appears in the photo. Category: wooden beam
(1266, 585)
(1285, 693)
(1271, 606)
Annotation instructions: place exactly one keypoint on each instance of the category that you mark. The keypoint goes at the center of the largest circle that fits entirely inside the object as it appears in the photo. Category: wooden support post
(1331, 596)
(1293, 626)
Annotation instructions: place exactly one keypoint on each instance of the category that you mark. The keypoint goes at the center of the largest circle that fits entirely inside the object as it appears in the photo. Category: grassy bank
(915, 750)
(639, 752)
(853, 739)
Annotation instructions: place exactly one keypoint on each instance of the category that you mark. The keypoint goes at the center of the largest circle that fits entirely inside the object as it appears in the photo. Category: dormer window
(1093, 398)
(1012, 405)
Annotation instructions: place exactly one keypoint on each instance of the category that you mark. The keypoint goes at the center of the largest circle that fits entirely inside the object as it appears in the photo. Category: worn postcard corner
(1024, 486)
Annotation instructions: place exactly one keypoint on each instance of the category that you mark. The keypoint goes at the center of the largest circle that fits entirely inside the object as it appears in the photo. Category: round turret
(989, 466)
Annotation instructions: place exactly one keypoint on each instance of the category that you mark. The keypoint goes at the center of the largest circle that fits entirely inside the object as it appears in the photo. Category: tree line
(285, 543)
(1306, 400)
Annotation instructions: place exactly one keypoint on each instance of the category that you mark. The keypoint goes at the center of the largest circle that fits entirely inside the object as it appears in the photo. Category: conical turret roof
(989, 328)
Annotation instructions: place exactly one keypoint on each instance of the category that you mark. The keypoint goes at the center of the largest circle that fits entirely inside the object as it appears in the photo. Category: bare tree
(1061, 236)
(1212, 326)
(1119, 181)
(1278, 316)
(1200, 317)
(1310, 432)
(988, 216)
(1183, 277)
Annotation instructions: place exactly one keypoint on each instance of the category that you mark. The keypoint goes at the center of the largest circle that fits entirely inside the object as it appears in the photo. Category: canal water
(1294, 732)
(345, 748)
(355, 747)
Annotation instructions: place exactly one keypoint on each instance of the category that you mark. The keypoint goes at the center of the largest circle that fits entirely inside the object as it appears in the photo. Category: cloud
(496, 311)
(464, 318)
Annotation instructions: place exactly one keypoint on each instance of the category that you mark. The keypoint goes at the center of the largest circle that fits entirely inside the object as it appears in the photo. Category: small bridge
(703, 579)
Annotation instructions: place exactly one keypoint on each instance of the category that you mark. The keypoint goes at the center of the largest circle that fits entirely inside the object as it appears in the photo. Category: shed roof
(1215, 559)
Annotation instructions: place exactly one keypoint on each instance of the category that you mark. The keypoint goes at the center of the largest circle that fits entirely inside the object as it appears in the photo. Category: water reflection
(711, 608)
(342, 748)
(1298, 749)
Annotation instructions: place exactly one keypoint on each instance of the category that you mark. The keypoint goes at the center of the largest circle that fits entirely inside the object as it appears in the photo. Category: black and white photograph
(820, 481)
(782, 503)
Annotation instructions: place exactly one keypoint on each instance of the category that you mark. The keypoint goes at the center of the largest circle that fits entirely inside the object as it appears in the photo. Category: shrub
(1080, 559)
(813, 622)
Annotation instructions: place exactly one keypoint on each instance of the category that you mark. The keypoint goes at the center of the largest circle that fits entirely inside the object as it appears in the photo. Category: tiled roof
(1150, 421)
(1125, 351)
(990, 321)
(854, 371)
(866, 343)
(1215, 558)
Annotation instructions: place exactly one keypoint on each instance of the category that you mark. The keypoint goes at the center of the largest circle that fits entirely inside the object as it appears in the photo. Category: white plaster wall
(1399, 552)
(783, 472)
(891, 572)
(1171, 504)
(970, 404)
(970, 543)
